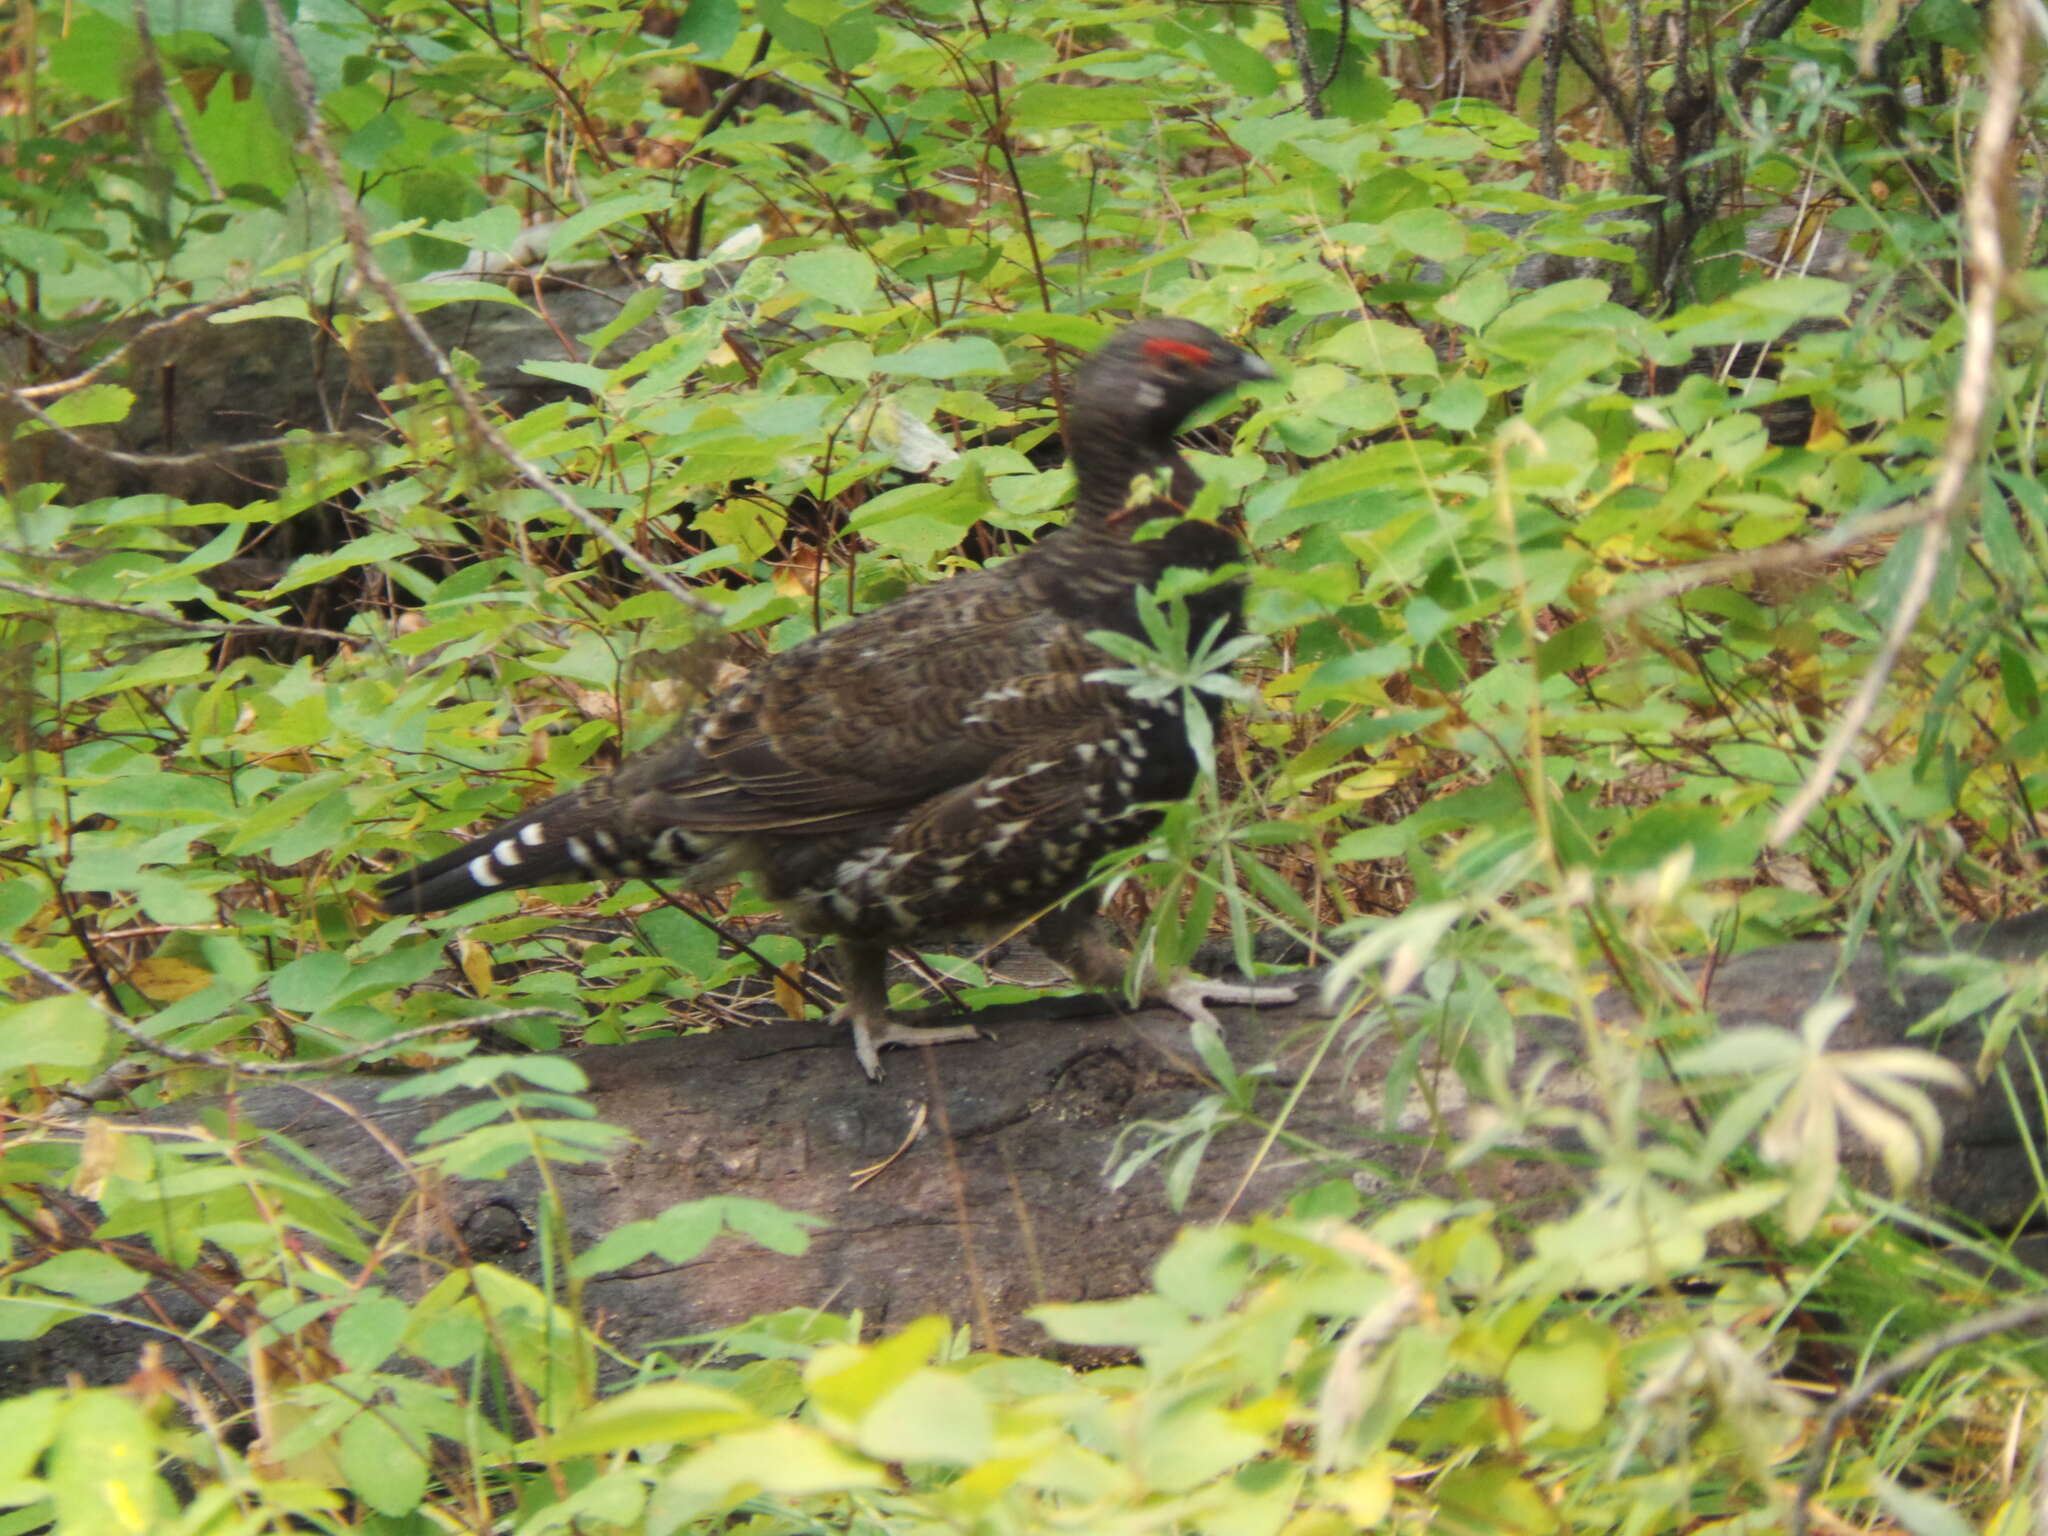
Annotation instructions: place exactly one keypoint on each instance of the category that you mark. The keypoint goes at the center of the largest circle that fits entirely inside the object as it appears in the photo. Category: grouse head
(1149, 378)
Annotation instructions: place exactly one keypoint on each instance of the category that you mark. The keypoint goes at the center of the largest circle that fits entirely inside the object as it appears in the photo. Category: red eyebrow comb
(1186, 351)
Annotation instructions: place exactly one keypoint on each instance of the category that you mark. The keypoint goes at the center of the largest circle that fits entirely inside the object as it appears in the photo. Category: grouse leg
(862, 970)
(1079, 938)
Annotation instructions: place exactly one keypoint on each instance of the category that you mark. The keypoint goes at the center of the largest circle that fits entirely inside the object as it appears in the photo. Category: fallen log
(974, 1181)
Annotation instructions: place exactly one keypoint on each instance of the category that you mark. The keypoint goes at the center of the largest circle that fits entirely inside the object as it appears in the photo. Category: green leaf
(92, 406)
(780, 1231)
(1475, 303)
(102, 1473)
(94, 1277)
(783, 1459)
(602, 215)
(1435, 234)
(947, 358)
(424, 296)
(709, 26)
(666, 1412)
(556, 1073)
(935, 1416)
(1239, 65)
(1920, 1512)
(919, 521)
(2022, 693)
(51, 1033)
(1205, 1269)
(1074, 330)
(308, 570)
(1458, 406)
(27, 1423)
(1563, 1377)
(329, 979)
(842, 277)
(1380, 348)
(366, 1334)
(92, 54)
(384, 1468)
(1045, 105)
(1135, 1321)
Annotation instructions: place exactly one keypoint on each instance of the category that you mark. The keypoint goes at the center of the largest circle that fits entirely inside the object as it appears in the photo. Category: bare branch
(1787, 555)
(202, 457)
(113, 359)
(173, 620)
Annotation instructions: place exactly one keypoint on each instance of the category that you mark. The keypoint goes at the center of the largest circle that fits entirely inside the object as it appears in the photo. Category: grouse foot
(1190, 995)
(1079, 938)
(871, 1036)
(862, 969)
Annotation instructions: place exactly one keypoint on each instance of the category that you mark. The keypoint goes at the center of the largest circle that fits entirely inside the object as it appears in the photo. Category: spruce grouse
(947, 763)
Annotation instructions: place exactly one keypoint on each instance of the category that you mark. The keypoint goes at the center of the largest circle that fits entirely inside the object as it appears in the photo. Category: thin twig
(1984, 256)
(768, 967)
(963, 1209)
(153, 461)
(150, 82)
(862, 1177)
(1788, 555)
(174, 620)
(115, 358)
(1535, 31)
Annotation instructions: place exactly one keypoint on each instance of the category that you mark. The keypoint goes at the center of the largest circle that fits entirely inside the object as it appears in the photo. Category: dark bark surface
(1003, 1201)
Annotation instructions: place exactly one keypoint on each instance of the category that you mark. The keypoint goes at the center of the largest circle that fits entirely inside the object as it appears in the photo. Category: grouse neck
(1105, 465)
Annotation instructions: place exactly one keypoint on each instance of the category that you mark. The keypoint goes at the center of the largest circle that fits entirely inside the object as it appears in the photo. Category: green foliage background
(1488, 748)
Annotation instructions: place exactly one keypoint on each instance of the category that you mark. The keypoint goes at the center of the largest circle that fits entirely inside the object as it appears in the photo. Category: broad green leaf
(602, 215)
(308, 570)
(934, 1416)
(668, 1411)
(1045, 105)
(788, 1460)
(369, 1330)
(946, 358)
(102, 1467)
(51, 1034)
(385, 1469)
(1563, 1375)
(1380, 348)
(842, 277)
(98, 1278)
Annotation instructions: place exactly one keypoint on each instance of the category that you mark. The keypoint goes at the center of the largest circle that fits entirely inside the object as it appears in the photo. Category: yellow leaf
(787, 997)
(106, 1152)
(1371, 783)
(163, 979)
(1365, 1496)
(476, 965)
(1826, 431)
